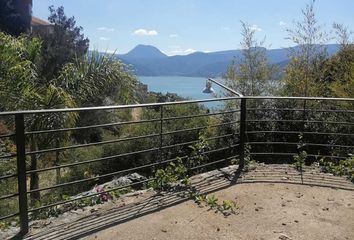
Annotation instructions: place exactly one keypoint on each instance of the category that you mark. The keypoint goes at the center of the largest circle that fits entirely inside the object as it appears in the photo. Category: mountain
(149, 61)
(144, 52)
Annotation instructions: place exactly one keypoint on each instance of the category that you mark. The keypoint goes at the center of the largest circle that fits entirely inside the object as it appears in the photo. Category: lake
(187, 87)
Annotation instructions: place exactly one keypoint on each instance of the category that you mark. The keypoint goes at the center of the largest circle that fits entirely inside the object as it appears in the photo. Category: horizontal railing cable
(92, 144)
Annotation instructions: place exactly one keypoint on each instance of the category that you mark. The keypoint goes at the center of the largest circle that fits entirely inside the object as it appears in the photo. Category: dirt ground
(276, 202)
(267, 211)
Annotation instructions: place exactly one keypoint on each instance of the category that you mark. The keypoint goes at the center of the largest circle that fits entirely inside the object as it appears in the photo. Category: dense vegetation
(44, 71)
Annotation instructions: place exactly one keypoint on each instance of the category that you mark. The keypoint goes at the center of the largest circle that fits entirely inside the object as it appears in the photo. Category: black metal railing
(268, 129)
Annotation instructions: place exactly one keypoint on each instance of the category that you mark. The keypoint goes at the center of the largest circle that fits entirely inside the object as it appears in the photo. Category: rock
(284, 237)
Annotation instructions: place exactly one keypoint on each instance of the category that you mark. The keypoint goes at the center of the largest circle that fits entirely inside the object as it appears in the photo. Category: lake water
(187, 87)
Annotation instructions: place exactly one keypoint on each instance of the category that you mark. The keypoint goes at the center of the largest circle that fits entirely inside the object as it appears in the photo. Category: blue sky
(179, 27)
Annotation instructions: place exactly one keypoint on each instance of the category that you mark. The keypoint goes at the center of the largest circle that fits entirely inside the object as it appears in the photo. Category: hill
(149, 61)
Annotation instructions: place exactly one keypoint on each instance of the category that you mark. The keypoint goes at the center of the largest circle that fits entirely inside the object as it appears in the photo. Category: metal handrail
(115, 107)
(234, 140)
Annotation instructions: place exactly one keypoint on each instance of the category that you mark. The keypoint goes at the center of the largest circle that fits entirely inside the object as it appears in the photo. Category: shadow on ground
(206, 183)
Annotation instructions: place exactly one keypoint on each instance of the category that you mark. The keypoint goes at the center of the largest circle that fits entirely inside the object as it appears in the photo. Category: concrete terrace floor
(276, 202)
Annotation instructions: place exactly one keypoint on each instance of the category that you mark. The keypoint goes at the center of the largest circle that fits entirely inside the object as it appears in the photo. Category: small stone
(93, 210)
(304, 213)
(256, 209)
(284, 224)
(325, 209)
(283, 204)
(284, 237)
(163, 230)
(296, 221)
(218, 229)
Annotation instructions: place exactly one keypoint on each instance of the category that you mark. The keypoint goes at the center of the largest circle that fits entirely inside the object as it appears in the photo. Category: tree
(252, 73)
(339, 69)
(303, 75)
(63, 45)
(97, 80)
(21, 89)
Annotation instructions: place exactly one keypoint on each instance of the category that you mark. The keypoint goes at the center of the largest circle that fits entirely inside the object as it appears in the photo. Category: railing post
(242, 132)
(21, 171)
(161, 131)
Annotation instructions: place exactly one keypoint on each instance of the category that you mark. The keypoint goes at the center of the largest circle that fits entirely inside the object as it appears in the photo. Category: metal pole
(242, 133)
(161, 131)
(21, 171)
(225, 87)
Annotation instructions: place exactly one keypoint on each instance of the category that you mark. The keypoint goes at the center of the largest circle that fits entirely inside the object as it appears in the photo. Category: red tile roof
(39, 22)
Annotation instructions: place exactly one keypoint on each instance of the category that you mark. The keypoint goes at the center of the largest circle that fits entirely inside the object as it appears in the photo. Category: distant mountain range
(149, 61)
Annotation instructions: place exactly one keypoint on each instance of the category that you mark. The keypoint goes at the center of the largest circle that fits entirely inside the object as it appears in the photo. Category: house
(41, 26)
(22, 11)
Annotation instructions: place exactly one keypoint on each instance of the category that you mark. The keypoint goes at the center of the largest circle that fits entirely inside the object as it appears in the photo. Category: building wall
(24, 9)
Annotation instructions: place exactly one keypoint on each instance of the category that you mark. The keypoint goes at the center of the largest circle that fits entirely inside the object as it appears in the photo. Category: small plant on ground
(247, 158)
(301, 156)
(167, 179)
(340, 168)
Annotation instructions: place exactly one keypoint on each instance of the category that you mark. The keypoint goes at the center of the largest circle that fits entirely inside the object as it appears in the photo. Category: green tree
(251, 75)
(303, 75)
(339, 69)
(97, 80)
(62, 45)
(21, 89)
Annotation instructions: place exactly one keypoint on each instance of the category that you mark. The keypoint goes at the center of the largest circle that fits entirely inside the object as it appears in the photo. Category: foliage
(303, 74)
(94, 78)
(341, 168)
(300, 158)
(173, 172)
(338, 72)
(167, 179)
(62, 45)
(252, 73)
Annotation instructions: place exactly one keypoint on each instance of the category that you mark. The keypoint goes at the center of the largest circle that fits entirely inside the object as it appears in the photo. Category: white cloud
(105, 29)
(178, 51)
(282, 23)
(173, 35)
(189, 50)
(144, 32)
(110, 51)
(226, 28)
(104, 39)
(255, 27)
